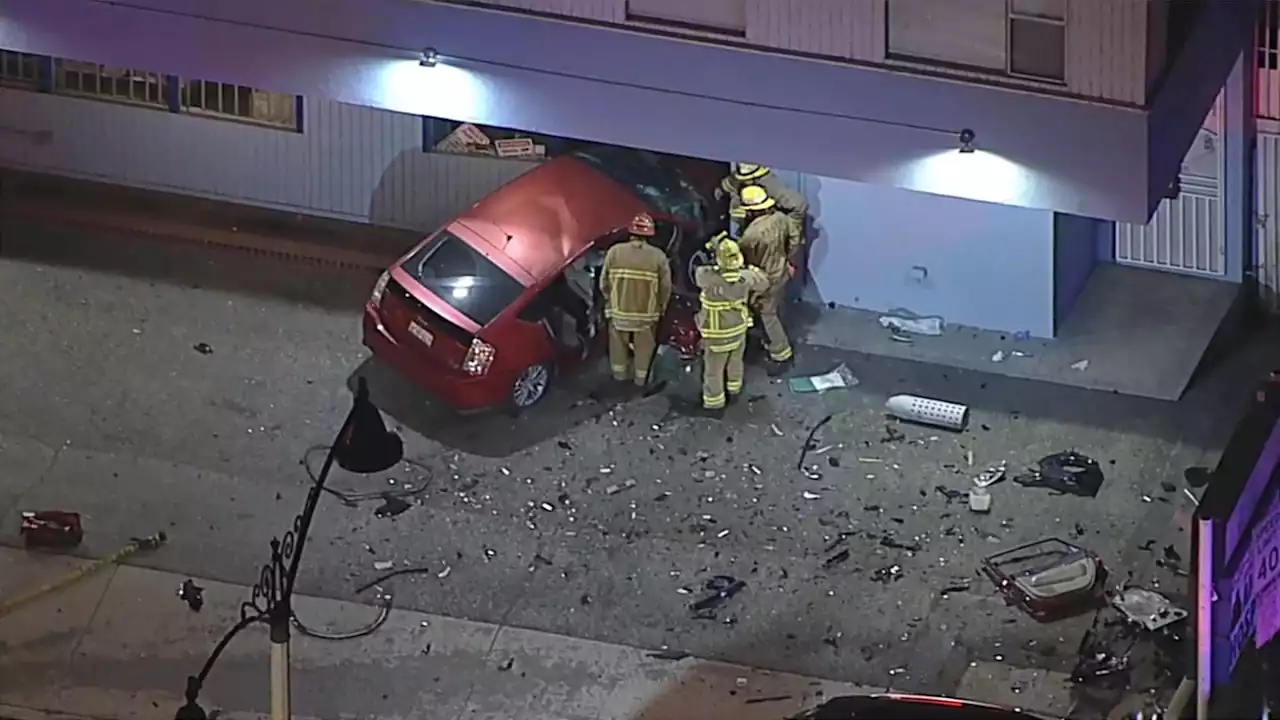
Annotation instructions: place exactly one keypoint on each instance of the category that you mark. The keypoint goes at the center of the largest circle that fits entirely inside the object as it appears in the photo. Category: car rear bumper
(460, 392)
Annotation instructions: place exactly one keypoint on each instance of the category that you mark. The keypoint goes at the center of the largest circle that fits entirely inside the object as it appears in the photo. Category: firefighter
(635, 282)
(789, 201)
(769, 242)
(723, 320)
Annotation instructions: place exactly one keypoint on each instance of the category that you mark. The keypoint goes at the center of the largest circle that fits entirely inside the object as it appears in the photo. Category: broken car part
(1147, 608)
(722, 588)
(51, 529)
(808, 441)
(191, 594)
(1048, 579)
(927, 411)
(1066, 472)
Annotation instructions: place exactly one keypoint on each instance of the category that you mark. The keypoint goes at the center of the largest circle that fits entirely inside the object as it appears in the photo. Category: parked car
(899, 706)
(488, 310)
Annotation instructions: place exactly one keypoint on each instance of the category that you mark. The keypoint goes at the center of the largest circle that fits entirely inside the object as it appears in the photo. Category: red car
(901, 706)
(489, 309)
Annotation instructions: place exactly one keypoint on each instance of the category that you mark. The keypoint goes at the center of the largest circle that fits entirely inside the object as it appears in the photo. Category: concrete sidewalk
(118, 645)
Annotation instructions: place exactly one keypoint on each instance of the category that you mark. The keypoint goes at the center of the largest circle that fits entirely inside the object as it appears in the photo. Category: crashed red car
(488, 310)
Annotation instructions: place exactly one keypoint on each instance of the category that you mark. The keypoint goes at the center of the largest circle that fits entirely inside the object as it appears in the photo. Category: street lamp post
(363, 445)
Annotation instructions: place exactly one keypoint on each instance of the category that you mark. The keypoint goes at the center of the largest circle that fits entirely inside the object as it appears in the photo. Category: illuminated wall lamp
(966, 140)
(429, 58)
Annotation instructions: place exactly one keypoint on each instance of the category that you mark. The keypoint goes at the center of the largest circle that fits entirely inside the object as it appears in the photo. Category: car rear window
(459, 275)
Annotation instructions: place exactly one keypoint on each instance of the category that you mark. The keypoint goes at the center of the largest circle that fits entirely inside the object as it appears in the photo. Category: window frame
(64, 69)
(1010, 16)
(19, 60)
(734, 30)
(292, 120)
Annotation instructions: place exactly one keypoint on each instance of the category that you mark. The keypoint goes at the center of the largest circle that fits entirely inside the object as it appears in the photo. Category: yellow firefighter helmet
(746, 172)
(754, 198)
(729, 255)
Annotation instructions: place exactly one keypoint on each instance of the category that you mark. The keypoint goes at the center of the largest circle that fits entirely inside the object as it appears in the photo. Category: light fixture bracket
(967, 137)
(429, 57)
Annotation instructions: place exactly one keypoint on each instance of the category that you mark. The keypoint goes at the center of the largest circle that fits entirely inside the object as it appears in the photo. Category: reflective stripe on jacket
(725, 317)
(636, 284)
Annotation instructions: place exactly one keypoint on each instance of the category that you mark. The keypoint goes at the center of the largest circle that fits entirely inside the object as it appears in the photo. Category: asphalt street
(158, 387)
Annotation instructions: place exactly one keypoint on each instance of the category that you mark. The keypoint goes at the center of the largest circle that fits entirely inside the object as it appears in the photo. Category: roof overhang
(836, 120)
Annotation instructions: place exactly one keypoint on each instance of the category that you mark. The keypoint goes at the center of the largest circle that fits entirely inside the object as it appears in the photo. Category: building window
(1025, 38)
(718, 16)
(202, 97)
(20, 69)
(135, 87)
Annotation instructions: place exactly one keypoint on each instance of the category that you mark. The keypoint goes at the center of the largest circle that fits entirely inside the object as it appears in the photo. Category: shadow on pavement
(494, 434)
(184, 264)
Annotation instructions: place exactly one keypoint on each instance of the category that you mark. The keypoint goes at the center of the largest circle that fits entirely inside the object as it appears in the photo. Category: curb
(10, 712)
(291, 250)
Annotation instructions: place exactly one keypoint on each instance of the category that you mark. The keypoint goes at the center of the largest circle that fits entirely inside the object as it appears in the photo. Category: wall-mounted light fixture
(966, 140)
(429, 57)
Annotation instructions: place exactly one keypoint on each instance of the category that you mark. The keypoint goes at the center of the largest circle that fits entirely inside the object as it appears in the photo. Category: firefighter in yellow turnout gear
(723, 320)
(769, 242)
(636, 284)
(789, 201)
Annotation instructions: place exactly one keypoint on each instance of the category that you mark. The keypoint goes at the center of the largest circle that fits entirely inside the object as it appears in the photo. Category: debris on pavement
(1068, 472)
(383, 565)
(191, 594)
(615, 489)
(203, 348)
(722, 588)
(980, 500)
(839, 378)
(887, 574)
(1048, 579)
(809, 443)
(906, 324)
(392, 505)
(991, 475)
(769, 699)
(51, 529)
(928, 411)
(507, 664)
(1147, 608)
(1080, 365)
(837, 559)
(671, 655)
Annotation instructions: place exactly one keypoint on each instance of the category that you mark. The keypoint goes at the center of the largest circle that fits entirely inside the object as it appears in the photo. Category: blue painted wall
(1075, 253)
(974, 263)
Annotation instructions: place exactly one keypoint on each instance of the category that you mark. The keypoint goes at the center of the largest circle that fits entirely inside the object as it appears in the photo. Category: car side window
(536, 309)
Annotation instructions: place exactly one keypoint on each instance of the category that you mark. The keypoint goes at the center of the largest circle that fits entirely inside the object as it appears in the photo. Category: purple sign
(1247, 505)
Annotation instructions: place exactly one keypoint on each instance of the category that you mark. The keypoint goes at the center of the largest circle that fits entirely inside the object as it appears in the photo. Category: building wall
(1106, 52)
(1075, 254)
(350, 162)
(977, 264)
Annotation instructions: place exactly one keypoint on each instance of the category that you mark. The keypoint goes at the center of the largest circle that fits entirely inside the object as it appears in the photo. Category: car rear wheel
(530, 387)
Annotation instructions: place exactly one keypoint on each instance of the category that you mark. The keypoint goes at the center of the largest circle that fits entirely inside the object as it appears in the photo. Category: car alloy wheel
(530, 386)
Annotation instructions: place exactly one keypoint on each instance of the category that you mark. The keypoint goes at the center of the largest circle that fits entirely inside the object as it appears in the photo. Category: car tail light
(379, 287)
(479, 358)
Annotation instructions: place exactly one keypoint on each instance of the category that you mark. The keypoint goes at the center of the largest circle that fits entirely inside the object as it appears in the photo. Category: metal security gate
(1268, 195)
(1187, 234)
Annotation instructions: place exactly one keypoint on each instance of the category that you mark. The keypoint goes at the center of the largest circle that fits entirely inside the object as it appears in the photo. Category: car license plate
(421, 333)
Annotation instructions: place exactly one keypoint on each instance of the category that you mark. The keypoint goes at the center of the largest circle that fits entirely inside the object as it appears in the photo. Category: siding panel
(845, 29)
(1107, 49)
(611, 11)
(353, 163)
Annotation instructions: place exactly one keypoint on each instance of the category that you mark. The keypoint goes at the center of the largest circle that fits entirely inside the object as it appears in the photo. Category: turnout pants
(622, 344)
(722, 372)
(767, 305)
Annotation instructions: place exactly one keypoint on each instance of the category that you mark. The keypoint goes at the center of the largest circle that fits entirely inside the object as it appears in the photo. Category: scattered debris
(927, 411)
(771, 698)
(979, 500)
(963, 586)
(1147, 608)
(52, 529)
(1068, 472)
(997, 356)
(203, 348)
(383, 565)
(810, 495)
(722, 589)
(507, 664)
(672, 655)
(615, 489)
(840, 377)
(903, 324)
(1048, 579)
(1081, 365)
(892, 434)
(809, 441)
(392, 505)
(191, 594)
(887, 574)
(991, 475)
(837, 559)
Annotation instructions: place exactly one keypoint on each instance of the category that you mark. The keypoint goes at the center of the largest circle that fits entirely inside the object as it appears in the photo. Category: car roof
(543, 219)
